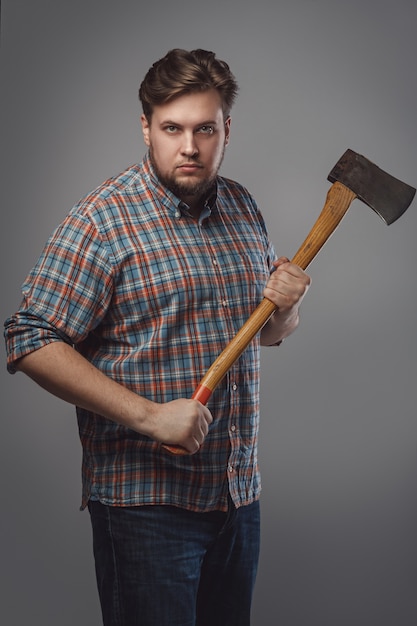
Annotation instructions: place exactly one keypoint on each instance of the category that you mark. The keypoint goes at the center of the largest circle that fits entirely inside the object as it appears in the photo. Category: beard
(186, 188)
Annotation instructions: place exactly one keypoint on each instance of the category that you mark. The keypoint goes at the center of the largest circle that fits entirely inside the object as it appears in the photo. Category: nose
(189, 146)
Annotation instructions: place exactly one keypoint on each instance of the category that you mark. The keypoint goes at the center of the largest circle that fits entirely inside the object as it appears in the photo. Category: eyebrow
(203, 123)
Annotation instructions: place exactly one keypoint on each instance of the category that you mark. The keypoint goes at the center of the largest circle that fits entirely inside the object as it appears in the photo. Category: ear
(227, 130)
(145, 129)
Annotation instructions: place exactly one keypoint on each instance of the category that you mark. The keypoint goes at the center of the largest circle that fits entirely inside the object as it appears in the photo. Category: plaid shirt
(151, 296)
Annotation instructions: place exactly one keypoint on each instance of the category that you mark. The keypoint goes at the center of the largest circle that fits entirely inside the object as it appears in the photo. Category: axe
(353, 177)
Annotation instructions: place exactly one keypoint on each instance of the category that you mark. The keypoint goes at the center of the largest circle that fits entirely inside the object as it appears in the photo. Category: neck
(195, 206)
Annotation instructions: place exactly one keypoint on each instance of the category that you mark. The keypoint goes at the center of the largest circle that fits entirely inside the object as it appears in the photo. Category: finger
(196, 447)
(207, 416)
(280, 261)
(291, 277)
(281, 280)
(205, 424)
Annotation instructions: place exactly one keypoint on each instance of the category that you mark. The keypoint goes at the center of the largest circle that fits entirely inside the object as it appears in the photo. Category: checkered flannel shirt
(151, 296)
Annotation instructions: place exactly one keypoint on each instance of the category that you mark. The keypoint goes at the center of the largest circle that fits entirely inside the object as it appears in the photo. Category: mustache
(192, 161)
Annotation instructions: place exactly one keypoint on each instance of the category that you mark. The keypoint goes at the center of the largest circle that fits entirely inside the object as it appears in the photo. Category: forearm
(62, 371)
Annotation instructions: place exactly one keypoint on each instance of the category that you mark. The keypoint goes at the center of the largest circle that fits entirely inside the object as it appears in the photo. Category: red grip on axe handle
(339, 198)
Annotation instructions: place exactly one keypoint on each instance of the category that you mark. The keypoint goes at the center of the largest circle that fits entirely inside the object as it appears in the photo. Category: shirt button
(233, 428)
(234, 386)
(230, 468)
(215, 262)
(224, 303)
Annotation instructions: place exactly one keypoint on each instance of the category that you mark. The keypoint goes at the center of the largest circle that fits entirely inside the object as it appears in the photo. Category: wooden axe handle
(338, 200)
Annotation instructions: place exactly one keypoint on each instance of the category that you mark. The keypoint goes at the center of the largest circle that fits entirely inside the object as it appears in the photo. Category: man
(135, 294)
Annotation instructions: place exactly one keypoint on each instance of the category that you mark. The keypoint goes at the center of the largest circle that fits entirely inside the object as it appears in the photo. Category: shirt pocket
(246, 275)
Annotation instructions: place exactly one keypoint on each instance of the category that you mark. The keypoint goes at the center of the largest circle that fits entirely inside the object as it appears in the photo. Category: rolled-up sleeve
(66, 294)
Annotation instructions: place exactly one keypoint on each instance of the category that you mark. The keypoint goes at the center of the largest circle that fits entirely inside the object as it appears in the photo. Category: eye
(207, 129)
(171, 129)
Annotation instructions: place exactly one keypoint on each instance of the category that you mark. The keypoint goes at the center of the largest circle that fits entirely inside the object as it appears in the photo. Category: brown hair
(181, 72)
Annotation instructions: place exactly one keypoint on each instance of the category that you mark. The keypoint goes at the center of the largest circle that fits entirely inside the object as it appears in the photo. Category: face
(186, 140)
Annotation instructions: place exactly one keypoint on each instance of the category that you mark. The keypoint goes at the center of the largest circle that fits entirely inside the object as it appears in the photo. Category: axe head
(386, 195)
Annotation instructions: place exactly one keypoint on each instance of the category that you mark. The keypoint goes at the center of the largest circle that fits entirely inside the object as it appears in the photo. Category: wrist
(278, 328)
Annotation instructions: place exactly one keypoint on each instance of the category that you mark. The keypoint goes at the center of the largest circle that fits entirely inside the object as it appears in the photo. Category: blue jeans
(166, 566)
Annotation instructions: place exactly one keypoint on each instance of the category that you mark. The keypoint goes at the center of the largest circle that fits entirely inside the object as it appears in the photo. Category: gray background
(338, 443)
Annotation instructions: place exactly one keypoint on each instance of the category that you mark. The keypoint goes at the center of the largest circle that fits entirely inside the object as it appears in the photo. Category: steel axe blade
(386, 195)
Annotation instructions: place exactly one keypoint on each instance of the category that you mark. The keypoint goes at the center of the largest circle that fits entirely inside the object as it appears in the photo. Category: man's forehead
(194, 108)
